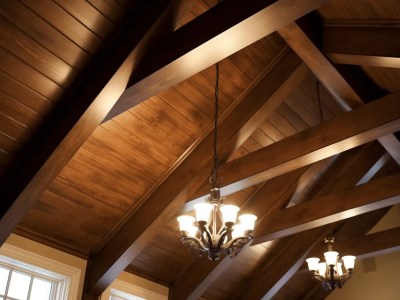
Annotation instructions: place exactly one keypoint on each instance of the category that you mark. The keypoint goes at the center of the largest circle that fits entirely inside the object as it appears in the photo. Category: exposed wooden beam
(191, 49)
(369, 245)
(280, 268)
(333, 81)
(331, 208)
(79, 112)
(270, 198)
(374, 44)
(334, 174)
(168, 198)
(346, 131)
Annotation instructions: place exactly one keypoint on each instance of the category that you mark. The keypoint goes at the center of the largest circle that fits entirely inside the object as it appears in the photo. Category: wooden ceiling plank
(373, 45)
(138, 230)
(192, 49)
(337, 206)
(346, 131)
(83, 108)
(333, 81)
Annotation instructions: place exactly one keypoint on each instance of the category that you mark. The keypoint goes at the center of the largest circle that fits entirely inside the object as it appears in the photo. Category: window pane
(19, 285)
(3, 280)
(40, 289)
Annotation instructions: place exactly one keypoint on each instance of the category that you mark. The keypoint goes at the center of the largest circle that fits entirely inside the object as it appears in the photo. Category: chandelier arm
(318, 277)
(221, 239)
(204, 229)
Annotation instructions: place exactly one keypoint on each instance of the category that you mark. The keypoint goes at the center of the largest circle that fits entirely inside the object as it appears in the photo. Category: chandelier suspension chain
(213, 178)
(200, 234)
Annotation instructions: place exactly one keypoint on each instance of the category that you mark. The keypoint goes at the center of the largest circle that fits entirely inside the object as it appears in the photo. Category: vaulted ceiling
(106, 122)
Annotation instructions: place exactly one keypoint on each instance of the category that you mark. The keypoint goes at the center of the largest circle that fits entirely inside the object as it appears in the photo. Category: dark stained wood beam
(79, 112)
(191, 49)
(280, 268)
(272, 197)
(334, 207)
(358, 161)
(169, 197)
(375, 44)
(369, 245)
(346, 131)
(330, 77)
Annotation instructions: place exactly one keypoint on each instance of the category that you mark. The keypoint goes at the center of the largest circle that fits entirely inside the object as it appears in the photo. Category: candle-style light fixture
(331, 272)
(200, 234)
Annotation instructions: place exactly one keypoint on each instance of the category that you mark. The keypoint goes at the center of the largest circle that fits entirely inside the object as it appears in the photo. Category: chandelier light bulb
(247, 221)
(185, 223)
(339, 269)
(203, 211)
(229, 213)
(349, 261)
(322, 269)
(331, 257)
(237, 231)
(312, 263)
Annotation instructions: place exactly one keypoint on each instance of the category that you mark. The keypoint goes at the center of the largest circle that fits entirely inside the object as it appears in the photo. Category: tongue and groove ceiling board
(106, 119)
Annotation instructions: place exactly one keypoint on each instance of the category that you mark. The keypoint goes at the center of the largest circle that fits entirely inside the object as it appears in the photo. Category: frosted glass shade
(192, 231)
(331, 257)
(186, 223)
(339, 269)
(312, 263)
(237, 231)
(203, 211)
(348, 261)
(247, 221)
(229, 213)
(322, 269)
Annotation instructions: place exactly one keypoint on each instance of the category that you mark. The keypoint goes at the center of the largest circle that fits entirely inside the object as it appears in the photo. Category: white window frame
(67, 277)
(128, 284)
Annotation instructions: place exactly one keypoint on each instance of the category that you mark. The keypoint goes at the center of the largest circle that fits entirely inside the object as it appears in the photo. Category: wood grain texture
(346, 204)
(200, 53)
(371, 46)
(314, 144)
(130, 245)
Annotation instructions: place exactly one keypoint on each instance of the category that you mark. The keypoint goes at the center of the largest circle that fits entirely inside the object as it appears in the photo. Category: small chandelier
(204, 237)
(331, 272)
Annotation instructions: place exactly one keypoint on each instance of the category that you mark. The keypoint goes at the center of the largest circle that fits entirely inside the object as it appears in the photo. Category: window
(20, 281)
(131, 287)
(50, 274)
(120, 295)
(15, 284)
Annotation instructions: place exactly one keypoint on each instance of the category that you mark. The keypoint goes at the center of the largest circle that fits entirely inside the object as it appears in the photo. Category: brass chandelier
(200, 234)
(331, 272)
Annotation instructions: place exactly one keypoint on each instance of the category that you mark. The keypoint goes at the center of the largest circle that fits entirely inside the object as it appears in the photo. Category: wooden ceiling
(106, 122)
